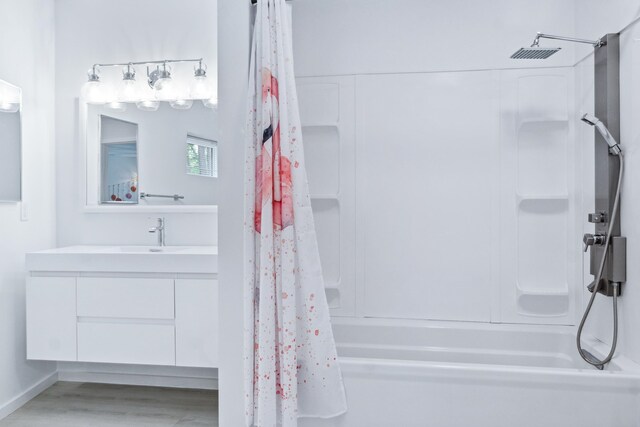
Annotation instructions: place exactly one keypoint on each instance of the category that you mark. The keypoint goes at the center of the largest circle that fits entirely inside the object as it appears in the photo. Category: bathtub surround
(290, 355)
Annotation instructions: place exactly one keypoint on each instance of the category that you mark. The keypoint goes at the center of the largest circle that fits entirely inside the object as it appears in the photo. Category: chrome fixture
(607, 259)
(200, 89)
(608, 248)
(92, 89)
(604, 240)
(614, 147)
(127, 91)
(537, 52)
(159, 229)
(593, 239)
(255, 2)
(160, 77)
(175, 197)
(160, 80)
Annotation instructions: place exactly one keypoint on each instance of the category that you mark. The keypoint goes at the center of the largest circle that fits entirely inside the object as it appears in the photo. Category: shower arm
(594, 43)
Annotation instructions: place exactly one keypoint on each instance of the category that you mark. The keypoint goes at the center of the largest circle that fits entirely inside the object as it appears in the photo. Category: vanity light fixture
(127, 90)
(92, 90)
(211, 102)
(117, 106)
(161, 82)
(181, 104)
(164, 86)
(200, 87)
(9, 101)
(148, 105)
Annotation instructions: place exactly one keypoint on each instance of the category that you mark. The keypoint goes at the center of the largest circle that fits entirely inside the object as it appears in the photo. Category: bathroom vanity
(124, 304)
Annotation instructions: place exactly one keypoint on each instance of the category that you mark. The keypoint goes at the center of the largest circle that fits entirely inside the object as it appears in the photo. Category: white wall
(90, 31)
(336, 37)
(26, 49)
(595, 18)
(234, 28)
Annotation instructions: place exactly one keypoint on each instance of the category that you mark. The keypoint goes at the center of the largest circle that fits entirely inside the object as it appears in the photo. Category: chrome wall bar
(255, 2)
(162, 61)
(607, 167)
(175, 197)
(594, 43)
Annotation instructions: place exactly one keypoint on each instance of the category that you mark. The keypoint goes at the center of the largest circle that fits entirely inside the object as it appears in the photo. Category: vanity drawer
(125, 298)
(144, 344)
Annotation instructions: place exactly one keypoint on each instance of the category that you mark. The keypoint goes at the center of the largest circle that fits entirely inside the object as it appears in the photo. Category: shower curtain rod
(255, 2)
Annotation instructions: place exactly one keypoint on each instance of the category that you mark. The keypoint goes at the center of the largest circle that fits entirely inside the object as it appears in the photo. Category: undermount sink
(133, 259)
(153, 249)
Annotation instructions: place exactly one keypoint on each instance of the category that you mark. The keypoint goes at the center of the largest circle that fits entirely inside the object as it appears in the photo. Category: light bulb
(7, 104)
(200, 88)
(128, 92)
(148, 105)
(127, 89)
(210, 103)
(182, 104)
(165, 89)
(93, 92)
(117, 106)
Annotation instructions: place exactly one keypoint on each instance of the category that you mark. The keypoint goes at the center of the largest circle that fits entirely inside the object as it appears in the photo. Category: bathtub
(413, 374)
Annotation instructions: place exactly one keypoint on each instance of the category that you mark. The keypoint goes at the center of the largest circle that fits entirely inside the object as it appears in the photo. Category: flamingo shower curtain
(290, 355)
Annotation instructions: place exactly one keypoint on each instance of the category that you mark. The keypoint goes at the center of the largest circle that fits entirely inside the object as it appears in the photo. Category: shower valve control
(598, 218)
(593, 239)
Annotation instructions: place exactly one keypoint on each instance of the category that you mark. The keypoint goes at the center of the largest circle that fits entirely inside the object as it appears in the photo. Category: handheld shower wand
(614, 149)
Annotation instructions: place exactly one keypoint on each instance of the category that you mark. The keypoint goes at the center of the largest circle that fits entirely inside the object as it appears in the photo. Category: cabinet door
(141, 344)
(121, 297)
(51, 318)
(196, 322)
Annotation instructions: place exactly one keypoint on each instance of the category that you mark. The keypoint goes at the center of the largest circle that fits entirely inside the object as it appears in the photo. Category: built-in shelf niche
(327, 131)
(542, 196)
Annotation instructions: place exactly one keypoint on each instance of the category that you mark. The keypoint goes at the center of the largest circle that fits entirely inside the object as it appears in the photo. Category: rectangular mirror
(11, 142)
(151, 158)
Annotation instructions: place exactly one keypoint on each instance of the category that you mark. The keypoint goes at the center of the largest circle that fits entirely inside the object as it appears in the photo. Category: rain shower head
(592, 120)
(535, 52)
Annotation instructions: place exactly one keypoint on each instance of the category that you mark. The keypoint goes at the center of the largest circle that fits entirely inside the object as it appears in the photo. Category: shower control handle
(598, 218)
(593, 239)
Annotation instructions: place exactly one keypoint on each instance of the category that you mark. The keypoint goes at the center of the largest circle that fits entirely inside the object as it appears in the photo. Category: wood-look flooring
(68, 404)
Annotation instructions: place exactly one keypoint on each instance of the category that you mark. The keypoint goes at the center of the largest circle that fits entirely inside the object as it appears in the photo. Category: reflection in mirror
(11, 142)
(118, 161)
(135, 157)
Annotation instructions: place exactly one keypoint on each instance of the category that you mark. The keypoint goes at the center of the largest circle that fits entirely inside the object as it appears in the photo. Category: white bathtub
(408, 374)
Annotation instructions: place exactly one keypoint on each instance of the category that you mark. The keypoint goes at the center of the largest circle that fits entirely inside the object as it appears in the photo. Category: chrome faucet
(159, 230)
(593, 240)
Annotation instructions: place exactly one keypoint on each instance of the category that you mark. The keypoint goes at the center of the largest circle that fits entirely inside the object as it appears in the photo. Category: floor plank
(67, 404)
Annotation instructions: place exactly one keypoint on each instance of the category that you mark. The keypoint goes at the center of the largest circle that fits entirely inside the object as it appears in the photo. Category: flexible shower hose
(586, 356)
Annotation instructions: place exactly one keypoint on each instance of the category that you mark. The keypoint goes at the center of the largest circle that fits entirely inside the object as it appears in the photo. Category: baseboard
(27, 395)
(139, 375)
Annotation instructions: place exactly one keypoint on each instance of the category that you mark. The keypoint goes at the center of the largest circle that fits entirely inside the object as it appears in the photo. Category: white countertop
(127, 259)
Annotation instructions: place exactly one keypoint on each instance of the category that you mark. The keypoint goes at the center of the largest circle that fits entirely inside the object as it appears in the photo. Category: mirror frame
(94, 206)
(20, 198)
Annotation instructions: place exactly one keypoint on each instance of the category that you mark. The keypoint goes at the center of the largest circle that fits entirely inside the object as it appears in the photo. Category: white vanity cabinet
(128, 317)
